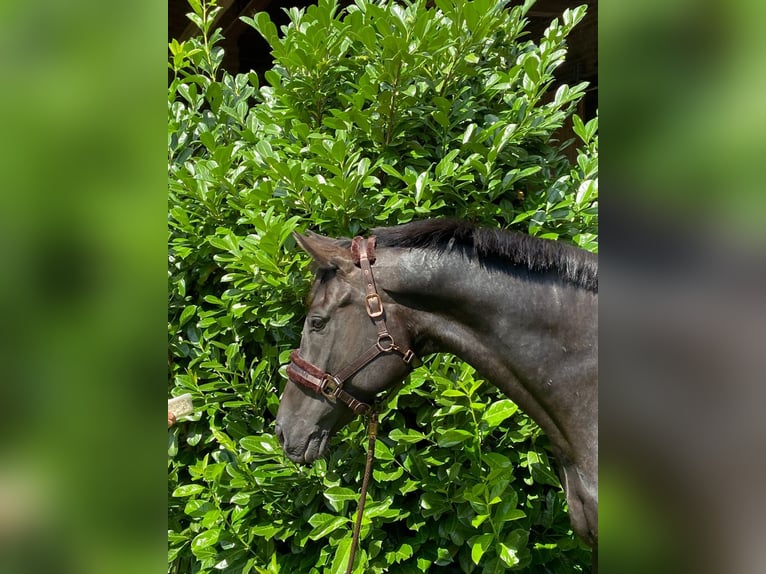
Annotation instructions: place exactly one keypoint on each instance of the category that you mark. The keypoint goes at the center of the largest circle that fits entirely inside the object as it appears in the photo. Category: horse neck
(534, 337)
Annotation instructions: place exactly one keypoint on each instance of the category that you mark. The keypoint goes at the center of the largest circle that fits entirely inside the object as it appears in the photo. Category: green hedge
(372, 115)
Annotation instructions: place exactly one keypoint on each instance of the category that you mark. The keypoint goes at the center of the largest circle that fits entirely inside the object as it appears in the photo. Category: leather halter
(311, 377)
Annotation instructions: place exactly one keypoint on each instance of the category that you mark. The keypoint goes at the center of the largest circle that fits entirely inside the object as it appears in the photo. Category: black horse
(521, 310)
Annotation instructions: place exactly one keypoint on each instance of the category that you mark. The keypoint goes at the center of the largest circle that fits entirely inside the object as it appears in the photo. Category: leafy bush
(373, 115)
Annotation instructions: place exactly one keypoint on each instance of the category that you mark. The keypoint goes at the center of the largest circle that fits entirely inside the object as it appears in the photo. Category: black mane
(573, 265)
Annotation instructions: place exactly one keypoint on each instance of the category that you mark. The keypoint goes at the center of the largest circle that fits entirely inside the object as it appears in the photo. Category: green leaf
(382, 508)
(532, 67)
(540, 470)
(342, 553)
(508, 555)
(404, 552)
(266, 531)
(265, 27)
(241, 498)
(498, 462)
(454, 437)
(506, 511)
(172, 443)
(206, 539)
(263, 444)
(479, 545)
(433, 504)
(468, 134)
(382, 452)
(578, 127)
(420, 183)
(188, 490)
(340, 494)
(391, 170)
(273, 77)
(498, 412)
(406, 436)
(443, 557)
(324, 524)
(517, 539)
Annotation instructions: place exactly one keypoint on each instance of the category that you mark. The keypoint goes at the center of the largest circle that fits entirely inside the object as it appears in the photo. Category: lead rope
(372, 434)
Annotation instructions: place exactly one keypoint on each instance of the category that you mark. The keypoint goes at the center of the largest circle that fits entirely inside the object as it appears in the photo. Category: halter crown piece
(330, 386)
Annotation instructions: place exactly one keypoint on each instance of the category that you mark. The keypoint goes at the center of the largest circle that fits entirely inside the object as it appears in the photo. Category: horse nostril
(280, 434)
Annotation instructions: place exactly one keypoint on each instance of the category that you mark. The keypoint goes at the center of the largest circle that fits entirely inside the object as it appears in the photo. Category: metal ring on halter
(386, 337)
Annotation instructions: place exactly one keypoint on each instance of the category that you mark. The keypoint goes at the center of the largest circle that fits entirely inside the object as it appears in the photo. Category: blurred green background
(683, 314)
(83, 286)
(683, 86)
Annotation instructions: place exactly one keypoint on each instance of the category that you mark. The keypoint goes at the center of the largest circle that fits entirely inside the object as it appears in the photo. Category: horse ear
(327, 252)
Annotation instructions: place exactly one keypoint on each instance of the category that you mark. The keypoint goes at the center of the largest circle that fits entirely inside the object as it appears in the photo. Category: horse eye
(317, 323)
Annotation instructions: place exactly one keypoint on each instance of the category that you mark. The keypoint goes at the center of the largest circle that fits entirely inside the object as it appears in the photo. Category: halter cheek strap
(311, 377)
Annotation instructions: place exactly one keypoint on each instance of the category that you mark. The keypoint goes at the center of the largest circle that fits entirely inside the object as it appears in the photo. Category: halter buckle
(374, 305)
(330, 387)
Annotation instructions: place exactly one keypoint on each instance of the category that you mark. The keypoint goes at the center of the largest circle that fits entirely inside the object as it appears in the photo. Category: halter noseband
(330, 386)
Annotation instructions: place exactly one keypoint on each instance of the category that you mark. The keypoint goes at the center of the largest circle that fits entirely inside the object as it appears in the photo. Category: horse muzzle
(312, 448)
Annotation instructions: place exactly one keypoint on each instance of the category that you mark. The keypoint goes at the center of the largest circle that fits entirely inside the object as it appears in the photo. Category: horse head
(354, 346)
